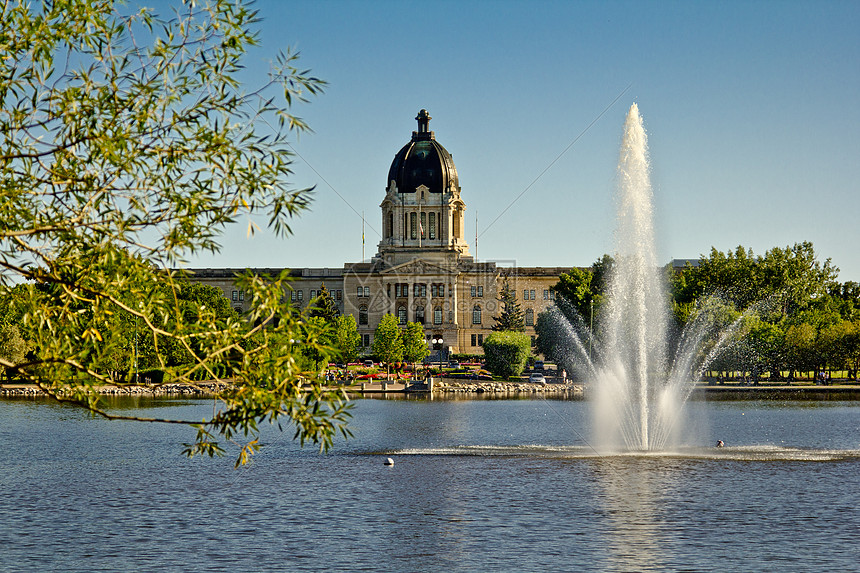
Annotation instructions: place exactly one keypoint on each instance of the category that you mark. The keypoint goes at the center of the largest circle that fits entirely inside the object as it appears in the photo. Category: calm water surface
(478, 485)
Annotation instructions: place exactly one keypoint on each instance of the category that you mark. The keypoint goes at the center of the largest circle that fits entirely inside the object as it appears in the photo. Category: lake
(477, 485)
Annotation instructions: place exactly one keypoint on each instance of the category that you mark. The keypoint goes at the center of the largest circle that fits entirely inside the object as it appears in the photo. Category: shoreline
(200, 389)
(459, 387)
(776, 392)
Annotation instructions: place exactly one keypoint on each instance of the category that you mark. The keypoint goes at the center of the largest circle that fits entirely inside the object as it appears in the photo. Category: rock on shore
(200, 389)
(481, 387)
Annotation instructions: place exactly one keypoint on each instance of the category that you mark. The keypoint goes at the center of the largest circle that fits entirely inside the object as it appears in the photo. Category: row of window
(437, 315)
(419, 315)
(419, 290)
(414, 225)
(402, 315)
(337, 294)
(401, 290)
(298, 295)
(529, 294)
(529, 316)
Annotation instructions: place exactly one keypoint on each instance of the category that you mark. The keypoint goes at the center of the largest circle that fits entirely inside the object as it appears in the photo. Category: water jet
(638, 385)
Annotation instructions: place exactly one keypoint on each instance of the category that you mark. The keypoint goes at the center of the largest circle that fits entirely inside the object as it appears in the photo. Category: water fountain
(638, 389)
(633, 360)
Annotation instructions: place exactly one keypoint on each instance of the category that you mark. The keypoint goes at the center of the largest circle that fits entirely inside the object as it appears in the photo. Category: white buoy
(389, 462)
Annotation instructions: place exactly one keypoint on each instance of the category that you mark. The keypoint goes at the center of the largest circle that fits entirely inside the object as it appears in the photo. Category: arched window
(413, 225)
(437, 315)
(456, 216)
(423, 228)
(530, 317)
(405, 225)
(419, 314)
(362, 315)
(432, 225)
(476, 314)
(390, 221)
(401, 314)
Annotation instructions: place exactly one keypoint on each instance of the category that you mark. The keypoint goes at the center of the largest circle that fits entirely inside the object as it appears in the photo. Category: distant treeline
(789, 313)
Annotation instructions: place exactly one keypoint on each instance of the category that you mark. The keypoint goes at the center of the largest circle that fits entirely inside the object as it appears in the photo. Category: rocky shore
(506, 388)
(187, 390)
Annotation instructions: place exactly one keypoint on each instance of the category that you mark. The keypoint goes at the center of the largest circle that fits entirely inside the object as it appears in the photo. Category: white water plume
(637, 391)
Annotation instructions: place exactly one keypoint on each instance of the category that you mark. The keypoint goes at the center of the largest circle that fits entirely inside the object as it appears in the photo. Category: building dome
(423, 161)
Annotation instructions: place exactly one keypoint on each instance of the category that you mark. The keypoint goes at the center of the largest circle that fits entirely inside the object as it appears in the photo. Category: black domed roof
(423, 161)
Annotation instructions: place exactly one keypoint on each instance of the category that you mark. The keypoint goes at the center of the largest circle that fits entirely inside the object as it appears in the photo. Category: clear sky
(752, 111)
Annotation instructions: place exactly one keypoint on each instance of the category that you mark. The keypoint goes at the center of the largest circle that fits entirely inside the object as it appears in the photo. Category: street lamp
(437, 342)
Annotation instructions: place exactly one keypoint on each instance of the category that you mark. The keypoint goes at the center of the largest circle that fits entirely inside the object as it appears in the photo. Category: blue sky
(752, 111)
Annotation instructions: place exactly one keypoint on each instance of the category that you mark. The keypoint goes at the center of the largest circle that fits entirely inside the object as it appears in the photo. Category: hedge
(506, 353)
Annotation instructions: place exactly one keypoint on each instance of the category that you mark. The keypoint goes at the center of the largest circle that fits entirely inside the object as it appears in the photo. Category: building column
(409, 299)
(428, 306)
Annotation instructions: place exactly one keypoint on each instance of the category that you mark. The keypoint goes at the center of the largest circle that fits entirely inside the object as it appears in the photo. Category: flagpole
(362, 236)
(476, 235)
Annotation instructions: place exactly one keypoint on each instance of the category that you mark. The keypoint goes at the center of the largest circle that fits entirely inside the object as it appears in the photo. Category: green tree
(511, 317)
(576, 288)
(347, 340)
(795, 276)
(766, 343)
(549, 339)
(852, 349)
(318, 330)
(127, 144)
(387, 343)
(833, 343)
(846, 296)
(789, 278)
(324, 306)
(506, 353)
(800, 347)
(584, 289)
(414, 343)
(13, 348)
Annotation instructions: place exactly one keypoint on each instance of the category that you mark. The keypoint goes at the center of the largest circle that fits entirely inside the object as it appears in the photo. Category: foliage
(13, 347)
(511, 317)
(800, 315)
(414, 343)
(347, 340)
(127, 143)
(575, 287)
(316, 328)
(506, 353)
(585, 289)
(799, 343)
(790, 278)
(796, 315)
(324, 306)
(563, 338)
(387, 342)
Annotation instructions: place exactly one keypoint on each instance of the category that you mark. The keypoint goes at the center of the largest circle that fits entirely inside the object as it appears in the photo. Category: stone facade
(422, 271)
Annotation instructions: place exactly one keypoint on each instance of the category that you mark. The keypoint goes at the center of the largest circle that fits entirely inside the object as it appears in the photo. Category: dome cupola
(423, 161)
(422, 213)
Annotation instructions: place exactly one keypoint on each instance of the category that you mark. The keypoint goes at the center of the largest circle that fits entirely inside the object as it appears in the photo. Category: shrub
(506, 353)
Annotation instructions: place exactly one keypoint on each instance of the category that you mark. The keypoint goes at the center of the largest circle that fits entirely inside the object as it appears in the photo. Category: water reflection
(631, 490)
